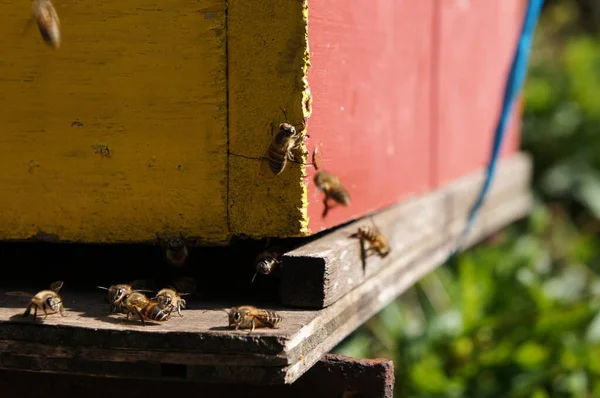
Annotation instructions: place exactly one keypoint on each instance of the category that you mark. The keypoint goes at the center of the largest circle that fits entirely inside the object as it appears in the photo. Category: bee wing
(375, 227)
(265, 169)
(56, 286)
(20, 294)
(138, 300)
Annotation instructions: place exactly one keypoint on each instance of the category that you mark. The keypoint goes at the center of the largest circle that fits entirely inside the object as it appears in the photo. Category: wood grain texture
(199, 347)
(371, 81)
(267, 61)
(320, 273)
(475, 43)
(145, 80)
(332, 376)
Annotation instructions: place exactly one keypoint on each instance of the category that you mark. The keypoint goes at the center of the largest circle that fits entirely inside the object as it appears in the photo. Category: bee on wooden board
(137, 303)
(332, 189)
(285, 141)
(378, 243)
(46, 300)
(117, 293)
(266, 263)
(47, 21)
(169, 300)
(249, 317)
(176, 250)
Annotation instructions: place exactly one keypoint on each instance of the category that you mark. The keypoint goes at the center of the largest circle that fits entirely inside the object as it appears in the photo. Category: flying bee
(169, 300)
(138, 304)
(176, 250)
(377, 241)
(248, 317)
(266, 262)
(47, 21)
(286, 140)
(46, 300)
(332, 188)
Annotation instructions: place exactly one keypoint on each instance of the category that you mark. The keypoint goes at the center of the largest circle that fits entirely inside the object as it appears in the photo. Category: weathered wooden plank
(199, 347)
(332, 376)
(132, 106)
(317, 274)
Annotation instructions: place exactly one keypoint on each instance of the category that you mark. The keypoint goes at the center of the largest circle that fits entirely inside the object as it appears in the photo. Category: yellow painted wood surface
(147, 80)
(267, 64)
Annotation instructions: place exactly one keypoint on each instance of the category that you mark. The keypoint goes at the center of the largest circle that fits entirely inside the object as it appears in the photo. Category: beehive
(153, 117)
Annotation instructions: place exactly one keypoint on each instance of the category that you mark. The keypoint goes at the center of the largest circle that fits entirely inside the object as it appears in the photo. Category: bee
(47, 21)
(169, 300)
(377, 241)
(248, 317)
(117, 293)
(46, 300)
(284, 142)
(138, 304)
(176, 250)
(266, 262)
(332, 188)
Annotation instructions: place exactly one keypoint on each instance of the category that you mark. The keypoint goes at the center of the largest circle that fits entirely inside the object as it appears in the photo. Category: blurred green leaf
(531, 355)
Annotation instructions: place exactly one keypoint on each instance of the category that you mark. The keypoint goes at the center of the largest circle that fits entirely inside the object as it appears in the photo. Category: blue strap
(517, 74)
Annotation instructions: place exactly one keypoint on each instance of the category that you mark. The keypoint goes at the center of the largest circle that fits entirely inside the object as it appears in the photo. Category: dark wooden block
(332, 376)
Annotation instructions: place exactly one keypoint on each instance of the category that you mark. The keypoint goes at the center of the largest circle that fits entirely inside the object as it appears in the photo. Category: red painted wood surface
(370, 80)
(406, 95)
(477, 41)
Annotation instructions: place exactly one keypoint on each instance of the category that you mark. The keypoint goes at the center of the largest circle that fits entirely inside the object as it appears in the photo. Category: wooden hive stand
(155, 119)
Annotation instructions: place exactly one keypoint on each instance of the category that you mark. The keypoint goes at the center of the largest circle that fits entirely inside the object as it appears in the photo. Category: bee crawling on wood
(117, 294)
(169, 300)
(249, 317)
(138, 304)
(266, 263)
(176, 250)
(47, 21)
(377, 241)
(286, 140)
(46, 300)
(332, 188)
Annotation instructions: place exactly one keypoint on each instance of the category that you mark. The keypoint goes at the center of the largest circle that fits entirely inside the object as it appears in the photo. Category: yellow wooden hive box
(123, 132)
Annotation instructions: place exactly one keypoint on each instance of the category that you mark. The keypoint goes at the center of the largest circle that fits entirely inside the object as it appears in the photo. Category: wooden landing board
(318, 274)
(198, 347)
(332, 376)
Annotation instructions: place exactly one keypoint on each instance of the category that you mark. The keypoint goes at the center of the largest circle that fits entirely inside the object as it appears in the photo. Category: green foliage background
(518, 316)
